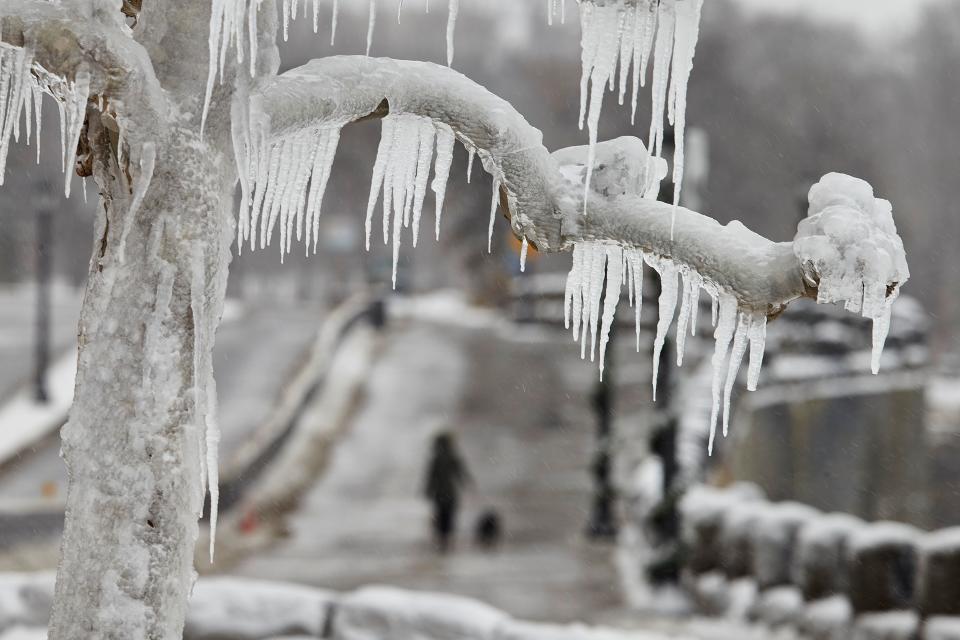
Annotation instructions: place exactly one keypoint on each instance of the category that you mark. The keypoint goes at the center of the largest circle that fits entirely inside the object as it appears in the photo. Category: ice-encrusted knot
(849, 249)
(621, 166)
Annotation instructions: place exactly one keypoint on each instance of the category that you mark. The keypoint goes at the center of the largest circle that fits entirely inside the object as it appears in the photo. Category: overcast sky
(875, 16)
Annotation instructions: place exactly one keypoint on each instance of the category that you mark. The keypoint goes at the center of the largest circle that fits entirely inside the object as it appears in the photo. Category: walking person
(446, 476)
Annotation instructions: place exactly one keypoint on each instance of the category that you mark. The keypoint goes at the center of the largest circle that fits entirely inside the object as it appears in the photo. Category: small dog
(488, 530)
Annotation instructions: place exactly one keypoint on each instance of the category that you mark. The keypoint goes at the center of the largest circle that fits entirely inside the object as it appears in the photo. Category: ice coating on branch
(629, 33)
(849, 248)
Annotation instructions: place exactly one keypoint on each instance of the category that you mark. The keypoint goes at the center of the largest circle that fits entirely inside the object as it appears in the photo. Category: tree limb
(542, 192)
(64, 41)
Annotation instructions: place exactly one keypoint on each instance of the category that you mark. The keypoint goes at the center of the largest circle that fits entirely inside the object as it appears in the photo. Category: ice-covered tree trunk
(134, 445)
(138, 439)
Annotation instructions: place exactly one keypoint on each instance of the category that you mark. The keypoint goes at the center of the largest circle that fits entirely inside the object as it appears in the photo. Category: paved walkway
(521, 413)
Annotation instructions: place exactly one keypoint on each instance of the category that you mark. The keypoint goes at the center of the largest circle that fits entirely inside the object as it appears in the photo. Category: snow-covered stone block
(702, 511)
(515, 630)
(736, 537)
(882, 567)
(774, 540)
(778, 606)
(240, 609)
(377, 613)
(819, 564)
(938, 582)
(827, 619)
(942, 628)
(891, 625)
(25, 599)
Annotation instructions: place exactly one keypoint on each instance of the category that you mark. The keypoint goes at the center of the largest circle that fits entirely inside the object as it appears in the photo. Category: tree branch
(64, 41)
(542, 192)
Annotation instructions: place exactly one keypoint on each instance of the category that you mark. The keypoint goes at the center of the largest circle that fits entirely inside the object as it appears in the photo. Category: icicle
(371, 23)
(427, 137)
(631, 33)
(441, 171)
(688, 310)
(524, 245)
(614, 256)
(37, 109)
(212, 463)
(471, 153)
(662, 57)
(595, 275)
(571, 291)
(402, 171)
(758, 338)
(454, 8)
(333, 22)
(75, 110)
(733, 368)
(148, 158)
(494, 203)
(282, 182)
(714, 306)
(667, 307)
(726, 326)
(685, 44)
(635, 260)
(15, 84)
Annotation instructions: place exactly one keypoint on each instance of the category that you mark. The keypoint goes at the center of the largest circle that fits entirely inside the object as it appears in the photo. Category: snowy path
(525, 434)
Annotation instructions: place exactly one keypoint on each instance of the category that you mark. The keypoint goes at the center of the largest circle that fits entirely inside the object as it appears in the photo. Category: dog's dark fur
(488, 530)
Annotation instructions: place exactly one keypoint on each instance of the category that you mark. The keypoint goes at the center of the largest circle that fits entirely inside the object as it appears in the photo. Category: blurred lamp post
(44, 256)
(602, 523)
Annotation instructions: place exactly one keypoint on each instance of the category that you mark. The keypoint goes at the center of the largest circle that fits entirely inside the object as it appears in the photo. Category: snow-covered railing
(844, 577)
